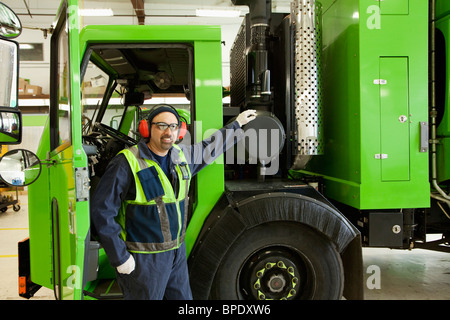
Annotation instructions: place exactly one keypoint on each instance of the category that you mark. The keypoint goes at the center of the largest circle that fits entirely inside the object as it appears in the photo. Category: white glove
(245, 117)
(127, 267)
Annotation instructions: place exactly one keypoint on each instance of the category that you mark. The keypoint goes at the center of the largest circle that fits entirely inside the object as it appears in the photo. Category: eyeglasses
(163, 126)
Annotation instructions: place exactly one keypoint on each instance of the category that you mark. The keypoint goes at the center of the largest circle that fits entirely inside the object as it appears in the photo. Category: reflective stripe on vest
(155, 220)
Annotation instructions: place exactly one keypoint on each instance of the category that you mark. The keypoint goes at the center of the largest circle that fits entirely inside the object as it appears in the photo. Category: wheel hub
(271, 275)
(276, 283)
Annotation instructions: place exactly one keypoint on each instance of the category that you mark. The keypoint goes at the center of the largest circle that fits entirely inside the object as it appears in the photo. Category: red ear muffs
(183, 130)
(143, 129)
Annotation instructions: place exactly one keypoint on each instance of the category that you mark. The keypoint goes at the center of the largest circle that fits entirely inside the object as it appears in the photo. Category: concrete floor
(390, 274)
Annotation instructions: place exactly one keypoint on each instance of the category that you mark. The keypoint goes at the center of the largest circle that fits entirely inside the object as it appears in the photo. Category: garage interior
(389, 274)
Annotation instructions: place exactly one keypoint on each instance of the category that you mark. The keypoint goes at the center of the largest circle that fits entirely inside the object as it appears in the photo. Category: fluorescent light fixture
(26, 46)
(96, 12)
(217, 13)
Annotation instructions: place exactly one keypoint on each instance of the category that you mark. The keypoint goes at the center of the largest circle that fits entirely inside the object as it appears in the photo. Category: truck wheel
(280, 260)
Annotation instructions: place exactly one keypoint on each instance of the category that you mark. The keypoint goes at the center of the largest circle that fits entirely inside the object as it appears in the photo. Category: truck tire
(280, 260)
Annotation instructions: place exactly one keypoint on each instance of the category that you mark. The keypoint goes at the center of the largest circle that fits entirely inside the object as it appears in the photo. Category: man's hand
(127, 267)
(245, 117)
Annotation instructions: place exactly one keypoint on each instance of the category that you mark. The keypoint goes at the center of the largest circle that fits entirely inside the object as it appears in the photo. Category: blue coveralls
(157, 275)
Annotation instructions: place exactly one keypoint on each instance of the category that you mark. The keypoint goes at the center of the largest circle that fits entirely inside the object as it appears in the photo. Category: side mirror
(9, 66)
(10, 26)
(10, 126)
(19, 167)
(10, 116)
(134, 99)
(114, 124)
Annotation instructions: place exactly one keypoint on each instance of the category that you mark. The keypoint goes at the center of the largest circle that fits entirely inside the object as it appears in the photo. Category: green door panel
(394, 115)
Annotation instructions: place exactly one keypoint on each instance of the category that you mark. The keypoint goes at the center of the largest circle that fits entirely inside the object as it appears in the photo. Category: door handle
(423, 136)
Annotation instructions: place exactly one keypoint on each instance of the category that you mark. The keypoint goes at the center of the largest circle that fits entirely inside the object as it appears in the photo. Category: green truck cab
(296, 233)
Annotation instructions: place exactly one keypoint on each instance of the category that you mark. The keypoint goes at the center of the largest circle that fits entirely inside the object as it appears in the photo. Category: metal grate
(305, 20)
(238, 67)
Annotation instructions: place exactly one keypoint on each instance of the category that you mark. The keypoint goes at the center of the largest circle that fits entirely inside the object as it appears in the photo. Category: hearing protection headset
(145, 124)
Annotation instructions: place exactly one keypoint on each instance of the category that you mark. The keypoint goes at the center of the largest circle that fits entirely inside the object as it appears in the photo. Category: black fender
(238, 211)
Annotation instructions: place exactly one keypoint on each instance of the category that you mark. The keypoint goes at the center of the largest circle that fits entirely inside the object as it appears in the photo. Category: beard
(165, 144)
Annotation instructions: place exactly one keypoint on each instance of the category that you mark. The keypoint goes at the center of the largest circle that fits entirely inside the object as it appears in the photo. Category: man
(140, 205)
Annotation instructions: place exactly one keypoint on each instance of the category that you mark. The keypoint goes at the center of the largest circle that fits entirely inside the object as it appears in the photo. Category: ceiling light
(96, 12)
(217, 13)
(26, 46)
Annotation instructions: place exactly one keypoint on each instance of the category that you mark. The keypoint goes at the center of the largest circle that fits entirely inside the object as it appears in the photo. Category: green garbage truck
(350, 146)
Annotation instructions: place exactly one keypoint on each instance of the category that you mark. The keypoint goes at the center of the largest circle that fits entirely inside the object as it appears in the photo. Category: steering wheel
(115, 134)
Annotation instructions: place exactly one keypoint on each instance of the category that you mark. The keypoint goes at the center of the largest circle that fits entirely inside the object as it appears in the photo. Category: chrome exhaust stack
(306, 26)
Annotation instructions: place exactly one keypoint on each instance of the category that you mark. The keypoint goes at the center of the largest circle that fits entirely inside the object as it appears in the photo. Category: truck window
(115, 110)
(60, 117)
(93, 89)
(94, 86)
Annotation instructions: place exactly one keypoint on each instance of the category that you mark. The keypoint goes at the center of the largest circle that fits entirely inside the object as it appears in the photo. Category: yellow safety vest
(155, 220)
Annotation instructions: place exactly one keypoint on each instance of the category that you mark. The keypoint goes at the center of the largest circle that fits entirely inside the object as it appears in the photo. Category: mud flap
(353, 270)
(27, 288)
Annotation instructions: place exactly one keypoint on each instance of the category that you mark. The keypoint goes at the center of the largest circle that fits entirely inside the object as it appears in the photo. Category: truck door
(394, 119)
(61, 173)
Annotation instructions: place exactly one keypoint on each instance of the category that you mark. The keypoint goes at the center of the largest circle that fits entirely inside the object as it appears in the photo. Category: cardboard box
(95, 91)
(22, 85)
(33, 90)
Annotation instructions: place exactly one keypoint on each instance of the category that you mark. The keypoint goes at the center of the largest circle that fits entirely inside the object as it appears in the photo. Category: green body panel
(148, 34)
(443, 159)
(442, 9)
(394, 140)
(81, 218)
(57, 184)
(443, 130)
(208, 99)
(374, 72)
(127, 119)
(62, 188)
(33, 120)
(39, 221)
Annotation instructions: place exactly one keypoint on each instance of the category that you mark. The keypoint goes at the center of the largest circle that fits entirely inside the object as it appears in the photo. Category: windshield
(94, 87)
(133, 79)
